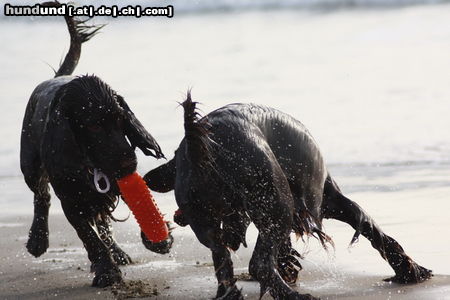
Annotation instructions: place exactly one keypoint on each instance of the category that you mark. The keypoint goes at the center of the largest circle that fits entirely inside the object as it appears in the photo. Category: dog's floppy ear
(137, 134)
(162, 179)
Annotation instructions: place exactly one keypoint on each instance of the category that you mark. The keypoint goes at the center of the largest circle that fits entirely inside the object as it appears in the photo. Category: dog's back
(292, 145)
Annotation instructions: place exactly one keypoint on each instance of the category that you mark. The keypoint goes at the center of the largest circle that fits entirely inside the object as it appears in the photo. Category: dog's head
(102, 126)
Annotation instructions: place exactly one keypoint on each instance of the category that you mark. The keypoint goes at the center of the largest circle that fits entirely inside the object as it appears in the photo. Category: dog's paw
(161, 247)
(107, 278)
(106, 272)
(289, 267)
(414, 274)
(37, 242)
(120, 256)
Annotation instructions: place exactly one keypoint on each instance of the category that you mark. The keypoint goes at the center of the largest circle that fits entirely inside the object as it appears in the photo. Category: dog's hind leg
(339, 207)
(263, 268)
(269, 203)
(37, 181)
(271, 210)
(288, 264)
(106, 270)
(105, 231)
(37, 242)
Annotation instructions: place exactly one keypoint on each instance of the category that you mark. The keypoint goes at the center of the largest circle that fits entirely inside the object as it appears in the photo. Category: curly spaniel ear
(137, 134)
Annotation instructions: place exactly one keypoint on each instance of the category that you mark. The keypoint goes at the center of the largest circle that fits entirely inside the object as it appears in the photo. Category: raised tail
(79, 32)
(196, 135)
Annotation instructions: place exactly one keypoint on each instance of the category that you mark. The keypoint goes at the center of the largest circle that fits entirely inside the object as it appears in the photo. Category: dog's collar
(99, 175)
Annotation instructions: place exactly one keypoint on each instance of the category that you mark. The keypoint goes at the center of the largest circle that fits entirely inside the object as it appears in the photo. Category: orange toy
(143, 206)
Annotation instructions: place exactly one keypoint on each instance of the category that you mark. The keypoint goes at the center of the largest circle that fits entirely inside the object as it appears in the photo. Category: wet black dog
(74, 127)
(245, 163)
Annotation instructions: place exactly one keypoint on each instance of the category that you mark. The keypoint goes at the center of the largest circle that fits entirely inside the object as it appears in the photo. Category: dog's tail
(196, 135)
(79, 32)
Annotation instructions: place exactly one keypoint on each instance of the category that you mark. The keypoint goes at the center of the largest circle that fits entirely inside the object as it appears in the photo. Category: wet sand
(187, 272)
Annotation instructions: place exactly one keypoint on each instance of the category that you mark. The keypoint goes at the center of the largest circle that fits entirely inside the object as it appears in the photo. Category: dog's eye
(94, 128)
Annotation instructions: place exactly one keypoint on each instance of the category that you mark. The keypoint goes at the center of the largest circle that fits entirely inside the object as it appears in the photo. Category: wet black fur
(262, 166)
(71, 126)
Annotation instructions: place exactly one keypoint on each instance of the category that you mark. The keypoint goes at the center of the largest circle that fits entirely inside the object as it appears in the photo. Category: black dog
(245, 163)
(74, 127)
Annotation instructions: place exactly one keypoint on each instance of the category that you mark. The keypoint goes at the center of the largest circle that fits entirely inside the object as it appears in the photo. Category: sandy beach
(187, 272)
(371, 84)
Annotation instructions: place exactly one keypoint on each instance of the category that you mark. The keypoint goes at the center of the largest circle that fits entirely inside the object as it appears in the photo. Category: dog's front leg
(288, 264)
(105, 231)
(106, 270)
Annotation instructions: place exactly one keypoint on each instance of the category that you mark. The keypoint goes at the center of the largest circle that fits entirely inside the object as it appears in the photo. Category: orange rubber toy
(143, 206)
